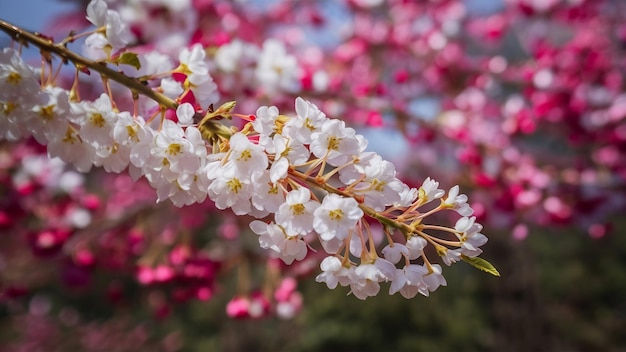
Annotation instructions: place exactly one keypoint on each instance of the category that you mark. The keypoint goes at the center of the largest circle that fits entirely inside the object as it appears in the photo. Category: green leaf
(481, 264)
(130, 59)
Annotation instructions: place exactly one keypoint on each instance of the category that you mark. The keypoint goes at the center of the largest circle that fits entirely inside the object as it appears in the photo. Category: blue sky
(32, 14)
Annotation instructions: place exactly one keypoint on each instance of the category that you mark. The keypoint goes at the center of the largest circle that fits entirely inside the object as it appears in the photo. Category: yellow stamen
(9, 107)
(245, 155)
(297, 209)
(174, 149)
(336, 214)
(333, 143)
(378, 186)
(132, 133)
(69, 136)
(14, 78)
(234, 185)
(97, 120)
(47, 113)
(307, 124)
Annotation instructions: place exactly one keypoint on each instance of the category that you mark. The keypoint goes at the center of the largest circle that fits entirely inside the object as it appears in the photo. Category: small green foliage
(481, 264)
(129, 58)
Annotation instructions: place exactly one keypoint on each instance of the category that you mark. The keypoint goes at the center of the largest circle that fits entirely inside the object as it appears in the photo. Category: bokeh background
(560, 290)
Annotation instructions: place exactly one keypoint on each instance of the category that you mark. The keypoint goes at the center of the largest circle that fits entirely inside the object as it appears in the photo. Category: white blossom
(450, 256)
(416, 245)
(333, 272)
(430, 191)
(175, 151)
(265, 120)
(276, 69)
(434, 279)
(308, 119)
(395, 252)
(231, 190)
(336, 216)
(335, 142)
(286, 247)
(458, 202)
(379, 185)
(50, 116)
(19, 92)
(408, 195)
(185, 113)
(246, 156)
(69, 148)
(288, 152)
(470, 236)
(267, 196)
(409, 281)
(116, 32)
(368, 277)
(296, 214)
(193, 64)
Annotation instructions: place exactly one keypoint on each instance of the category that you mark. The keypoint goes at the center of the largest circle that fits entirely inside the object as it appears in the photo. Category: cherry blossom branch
(258, 171)
(60, 49)
(208, 126)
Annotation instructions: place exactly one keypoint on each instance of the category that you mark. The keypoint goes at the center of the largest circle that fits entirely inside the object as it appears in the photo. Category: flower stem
(407, 230)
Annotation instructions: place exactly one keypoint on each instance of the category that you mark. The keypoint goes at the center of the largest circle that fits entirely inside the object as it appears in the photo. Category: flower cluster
(310, 184)
(94, 133)
(310, 150)
(440, 73)
(311, 173)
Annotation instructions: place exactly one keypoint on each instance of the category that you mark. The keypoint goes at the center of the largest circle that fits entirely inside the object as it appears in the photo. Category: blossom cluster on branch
(305, 178)
(522, 99)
